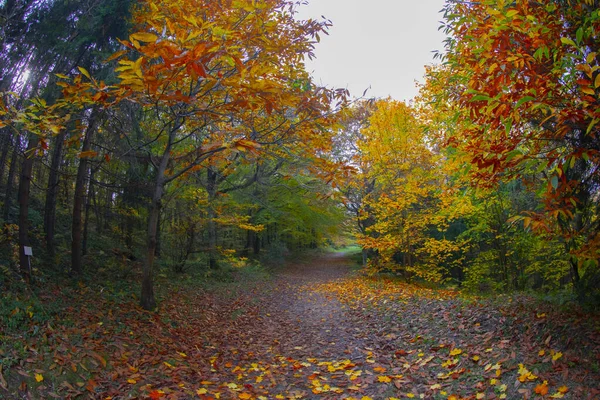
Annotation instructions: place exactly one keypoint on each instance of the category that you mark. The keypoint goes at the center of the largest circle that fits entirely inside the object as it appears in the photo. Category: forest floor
(316, 330)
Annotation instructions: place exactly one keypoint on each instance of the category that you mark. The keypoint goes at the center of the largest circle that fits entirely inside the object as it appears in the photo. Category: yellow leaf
(61, 76)
(84, 72)
(245, 396)
(557, 355)
(384, 379)
(39, 377)
(455, 352)
(201, 391)
(144, 37)
(563, 389)
(132, 381)
(588, 90)
(541, 353)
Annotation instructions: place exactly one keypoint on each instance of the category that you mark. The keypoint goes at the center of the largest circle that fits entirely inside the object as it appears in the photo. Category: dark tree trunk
(211, 189)
(24, 191)
(8, 194)
(94, 199)
(51, 194)
(86, 220)
(147, 300)
(5, 142)
(159, 223)
(256, 244)
(78, 199)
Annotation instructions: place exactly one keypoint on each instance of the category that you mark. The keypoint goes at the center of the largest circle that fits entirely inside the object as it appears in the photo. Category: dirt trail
(328, 334)
(322, 326)
(314, 331)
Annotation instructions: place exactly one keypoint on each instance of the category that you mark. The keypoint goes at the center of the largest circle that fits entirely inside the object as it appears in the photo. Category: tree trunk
(78, 199)
(158, 241)
(51, 193)
(5, 142)
(147, 300)
(211, 188)
(86, 224)
(8, 194)
(24, 191)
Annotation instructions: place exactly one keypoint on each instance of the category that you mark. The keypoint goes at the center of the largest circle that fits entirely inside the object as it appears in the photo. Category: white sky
(384, 44)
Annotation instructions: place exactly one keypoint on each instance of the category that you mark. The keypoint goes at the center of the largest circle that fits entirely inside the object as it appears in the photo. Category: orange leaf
(542, 389)
(144, 37)
(88, 154)
(156, 394)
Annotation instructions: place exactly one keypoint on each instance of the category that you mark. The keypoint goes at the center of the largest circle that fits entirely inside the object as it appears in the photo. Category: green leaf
(481, 97)
(524, 100)
(579, 35)
(554, 182)
(513, 154)
(591, 125)
(508, 125)
(512, 13)
(566, 40)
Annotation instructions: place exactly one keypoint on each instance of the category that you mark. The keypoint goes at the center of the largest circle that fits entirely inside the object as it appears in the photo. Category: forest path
(315, 330)
(324, 332)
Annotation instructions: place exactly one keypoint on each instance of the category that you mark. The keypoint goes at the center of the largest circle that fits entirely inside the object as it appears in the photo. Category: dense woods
(173, 125)
(176, 138)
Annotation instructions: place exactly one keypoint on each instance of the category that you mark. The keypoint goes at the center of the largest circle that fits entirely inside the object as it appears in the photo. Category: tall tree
(526, 73)
(203, 73)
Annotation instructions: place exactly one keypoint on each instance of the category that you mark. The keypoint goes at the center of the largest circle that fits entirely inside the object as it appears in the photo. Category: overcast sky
(384, 44)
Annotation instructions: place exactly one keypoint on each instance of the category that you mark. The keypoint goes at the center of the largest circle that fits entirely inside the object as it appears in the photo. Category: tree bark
(6, 139)
(147, 300)
(86, 219)
(24, 191)
(8, 193)
(78, 199)
(51, 194)
(211, 189)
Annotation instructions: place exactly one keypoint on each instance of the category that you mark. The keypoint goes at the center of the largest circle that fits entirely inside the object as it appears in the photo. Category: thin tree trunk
(147, 300)
(96, 210)
(86, 219)
(5, 144)
(211, 188)
(51, 194)
(8, 194)
(159, 223)
(78, 199)
(24, 191)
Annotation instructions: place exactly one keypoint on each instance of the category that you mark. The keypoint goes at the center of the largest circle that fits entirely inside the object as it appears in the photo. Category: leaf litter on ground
(316, 331)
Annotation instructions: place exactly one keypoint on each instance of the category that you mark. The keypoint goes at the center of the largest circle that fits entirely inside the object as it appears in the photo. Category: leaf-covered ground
(315, 331)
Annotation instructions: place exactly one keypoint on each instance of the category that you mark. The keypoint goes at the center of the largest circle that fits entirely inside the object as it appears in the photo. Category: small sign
(28, 251)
